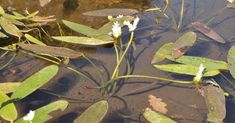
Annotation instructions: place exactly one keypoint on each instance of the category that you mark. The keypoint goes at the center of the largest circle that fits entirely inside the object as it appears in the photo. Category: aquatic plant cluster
(16, 25)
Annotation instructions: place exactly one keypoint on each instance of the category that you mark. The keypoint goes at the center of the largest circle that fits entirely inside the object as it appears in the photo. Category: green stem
(123, 55)
(181, 16)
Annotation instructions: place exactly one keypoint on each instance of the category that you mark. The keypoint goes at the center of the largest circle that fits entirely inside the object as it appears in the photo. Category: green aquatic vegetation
(7, 111)
(94, 114)
(16, 24)
(34, 40)
(111, 12)
(9, 87)
(42, 114)
(231, 61)
(155, 117)
(35, 81)
(215, 101)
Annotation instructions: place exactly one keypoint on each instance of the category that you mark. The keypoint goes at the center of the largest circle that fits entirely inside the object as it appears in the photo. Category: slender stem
(117, 57)
(123, 55)
(5, 65)
(181, 16)
(150, 77)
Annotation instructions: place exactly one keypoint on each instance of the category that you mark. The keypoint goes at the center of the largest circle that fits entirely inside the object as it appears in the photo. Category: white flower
(133, 26)
(198, 77)
(119, 16)
(29, 116)
(116, 30)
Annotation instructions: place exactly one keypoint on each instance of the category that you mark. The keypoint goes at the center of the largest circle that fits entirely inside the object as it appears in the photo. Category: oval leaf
(7, 112)
(9, 27)
(185, 69)
(85, 30)
(231, 61)
(82, 40)
(215, 102)
(183, 43)
(160, 55)
(111, 12)
(42, 114)
(155, 117)
(51, 50)
(94, 114)
(8, 87)
(207, 31)
(34, 40)
(35, 81)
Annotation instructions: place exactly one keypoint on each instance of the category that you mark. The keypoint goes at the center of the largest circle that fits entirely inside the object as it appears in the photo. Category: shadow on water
(183, 101)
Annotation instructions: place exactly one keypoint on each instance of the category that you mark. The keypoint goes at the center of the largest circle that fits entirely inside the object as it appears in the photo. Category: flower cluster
(29, 116)
(116, 28)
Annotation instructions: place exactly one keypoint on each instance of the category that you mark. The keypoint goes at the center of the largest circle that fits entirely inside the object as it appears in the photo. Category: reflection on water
(183, 102)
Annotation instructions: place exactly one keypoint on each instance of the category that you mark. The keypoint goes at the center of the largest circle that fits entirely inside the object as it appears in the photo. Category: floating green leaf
(34, 40)
(209, 64)
(111, 12)
(9, 27)
(185, 69)
(7, 112)
(215, 102)
(42, 114)
(35, 81)
(160, 55)
(51, 50)
(83, 29)
(155, 117)
(82, 40)
(231, 61)
(183, 43)
(94, 114)
(8, 87)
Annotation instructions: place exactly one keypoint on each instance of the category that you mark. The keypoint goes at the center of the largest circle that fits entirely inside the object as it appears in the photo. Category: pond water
(184, 103)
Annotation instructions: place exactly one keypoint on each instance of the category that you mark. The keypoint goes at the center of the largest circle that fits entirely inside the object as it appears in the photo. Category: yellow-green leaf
(82, 40)
(42, 114)
(34, 40)
(231, 61)
(35, 81)
(155, 117)
(160, 55)
(9, 27)
(185, 69)
(8, 87)
(94, 114)
(7, 112)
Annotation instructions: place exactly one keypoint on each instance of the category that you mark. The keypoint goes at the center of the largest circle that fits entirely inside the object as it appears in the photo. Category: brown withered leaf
(157, 104)
(207, 31)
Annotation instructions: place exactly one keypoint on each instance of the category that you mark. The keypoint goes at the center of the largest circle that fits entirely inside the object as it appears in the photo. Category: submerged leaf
(83, 29)
(82, 40)
(94, 114)
(185, 69)
(42, 114)
(35, 81)
(215, 102)
(183, 43)
(9, 27)
(51, 50)
(111, 12)
(8, 87)
(7, 112)
(155, 117)
(207, 31)
(231, 61)
(157, 104)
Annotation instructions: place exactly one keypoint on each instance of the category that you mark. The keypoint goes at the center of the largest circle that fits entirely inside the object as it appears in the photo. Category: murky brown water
(183, 102)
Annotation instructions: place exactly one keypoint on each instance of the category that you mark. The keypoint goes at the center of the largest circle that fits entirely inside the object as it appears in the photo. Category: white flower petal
(116, 30)
(29, 116)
